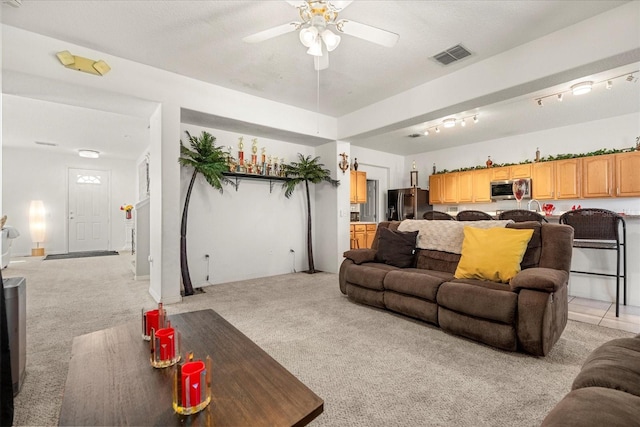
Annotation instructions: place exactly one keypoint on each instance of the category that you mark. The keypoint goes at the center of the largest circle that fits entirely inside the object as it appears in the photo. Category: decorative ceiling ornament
(318, 18)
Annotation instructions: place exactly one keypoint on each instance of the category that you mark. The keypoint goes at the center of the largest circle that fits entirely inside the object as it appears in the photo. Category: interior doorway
(368, 211)
(88, 211)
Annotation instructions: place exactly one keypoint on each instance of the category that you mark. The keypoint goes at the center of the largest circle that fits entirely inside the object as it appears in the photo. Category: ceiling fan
(318, 17)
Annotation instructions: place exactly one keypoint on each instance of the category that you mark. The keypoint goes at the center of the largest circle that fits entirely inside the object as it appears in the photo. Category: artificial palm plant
(306, 170)
(210, 161)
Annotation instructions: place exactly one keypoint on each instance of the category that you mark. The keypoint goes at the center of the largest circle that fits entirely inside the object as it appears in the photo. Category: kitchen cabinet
(358, 190)
(436, 183)
(597, 176)
(450, 188)
(520, 171)
(465, 187)
(555, 180)
(567, 178)
(482, 185)
(543, 181)
(371, 233)
(627, 167)
(500, 174)
(362, 235)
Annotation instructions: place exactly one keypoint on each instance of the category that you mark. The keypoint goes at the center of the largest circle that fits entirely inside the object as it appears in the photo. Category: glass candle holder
(165, 347)
(153, 319)
(191, 385)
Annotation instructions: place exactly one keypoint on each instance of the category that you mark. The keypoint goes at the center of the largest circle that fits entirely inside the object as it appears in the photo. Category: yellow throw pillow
(493, 254)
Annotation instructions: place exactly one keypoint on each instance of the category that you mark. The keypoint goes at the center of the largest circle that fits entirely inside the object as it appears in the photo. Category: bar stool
(471, 215)
(600, 229)
(437, 215)
(354, 243)
(520, 215)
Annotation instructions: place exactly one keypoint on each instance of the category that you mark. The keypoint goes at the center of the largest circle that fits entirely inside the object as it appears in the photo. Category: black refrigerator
(407, 203)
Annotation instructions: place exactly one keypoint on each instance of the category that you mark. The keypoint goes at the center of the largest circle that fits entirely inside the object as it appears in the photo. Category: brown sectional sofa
(527, 314)
(606, 392)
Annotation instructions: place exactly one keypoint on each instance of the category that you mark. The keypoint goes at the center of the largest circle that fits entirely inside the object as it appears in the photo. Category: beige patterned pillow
(445, 236)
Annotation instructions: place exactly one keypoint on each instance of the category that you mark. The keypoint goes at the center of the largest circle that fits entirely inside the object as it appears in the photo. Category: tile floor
(604, 314)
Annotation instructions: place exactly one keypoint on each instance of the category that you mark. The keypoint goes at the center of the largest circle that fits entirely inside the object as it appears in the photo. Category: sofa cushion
(396, 248)
(615, 364)
(370, 275)
(415, 282)
(486, 300)
(494, 254)
(531, 257)
(359, 256)
(437, 260)
(595, 406)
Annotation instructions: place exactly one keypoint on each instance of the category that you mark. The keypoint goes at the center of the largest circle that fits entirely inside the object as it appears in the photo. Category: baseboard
(145, 277)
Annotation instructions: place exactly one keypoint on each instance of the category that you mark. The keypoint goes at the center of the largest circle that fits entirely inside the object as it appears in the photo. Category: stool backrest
(521, 215)
(593, 223)
(438, 215)
(471, 215)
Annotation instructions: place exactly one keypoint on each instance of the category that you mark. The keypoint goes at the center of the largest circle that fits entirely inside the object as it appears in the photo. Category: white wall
(30, 174)
(247, 233)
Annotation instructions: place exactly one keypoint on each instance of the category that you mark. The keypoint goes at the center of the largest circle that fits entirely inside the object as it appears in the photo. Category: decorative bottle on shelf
(489, 162)
(355, 164)
(537, 154)
(434, 169)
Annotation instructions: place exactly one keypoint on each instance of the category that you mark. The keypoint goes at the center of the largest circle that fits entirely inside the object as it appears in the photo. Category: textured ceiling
(202, 40)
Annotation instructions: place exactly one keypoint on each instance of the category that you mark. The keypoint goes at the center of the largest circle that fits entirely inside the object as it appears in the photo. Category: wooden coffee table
(111, 382)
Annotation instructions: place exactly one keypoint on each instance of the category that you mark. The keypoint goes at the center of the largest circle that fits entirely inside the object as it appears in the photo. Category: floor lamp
(37, 226)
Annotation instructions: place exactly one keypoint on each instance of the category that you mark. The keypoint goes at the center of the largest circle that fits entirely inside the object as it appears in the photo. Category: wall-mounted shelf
(240, 176)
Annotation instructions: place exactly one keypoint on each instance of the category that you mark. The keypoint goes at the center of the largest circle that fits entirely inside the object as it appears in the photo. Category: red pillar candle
(193, 383)
(167, 343)
(152, 317)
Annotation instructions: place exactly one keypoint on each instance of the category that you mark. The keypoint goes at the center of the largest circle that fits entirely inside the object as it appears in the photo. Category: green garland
(543, 159)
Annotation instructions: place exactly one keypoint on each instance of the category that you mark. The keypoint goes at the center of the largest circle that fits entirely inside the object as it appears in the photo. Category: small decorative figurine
(537, 154)
(489, 162)
(638, 143)
(355, 164)
(434, 168)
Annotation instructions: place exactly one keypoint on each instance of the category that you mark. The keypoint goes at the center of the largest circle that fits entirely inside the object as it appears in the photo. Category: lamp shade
(308, 36)
(330, 40)
(316, 48)
(37, 221)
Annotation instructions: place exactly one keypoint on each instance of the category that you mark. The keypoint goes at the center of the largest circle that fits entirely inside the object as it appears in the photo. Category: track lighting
(451, 122)
(581, 88)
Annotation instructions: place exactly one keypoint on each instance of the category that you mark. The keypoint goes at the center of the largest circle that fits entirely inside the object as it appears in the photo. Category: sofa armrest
(540, 278)
(358, 256)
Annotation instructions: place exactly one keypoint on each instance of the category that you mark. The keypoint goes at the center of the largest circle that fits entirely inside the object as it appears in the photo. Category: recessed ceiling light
(90, 154)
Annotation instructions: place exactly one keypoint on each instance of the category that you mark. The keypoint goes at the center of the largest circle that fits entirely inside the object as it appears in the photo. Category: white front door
(88, 210)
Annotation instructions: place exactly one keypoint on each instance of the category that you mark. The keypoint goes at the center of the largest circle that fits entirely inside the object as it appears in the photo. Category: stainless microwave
(503, 190)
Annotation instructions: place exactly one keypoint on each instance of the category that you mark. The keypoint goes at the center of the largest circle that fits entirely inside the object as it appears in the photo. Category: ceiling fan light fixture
(581, 88)
(330, 40)
(316, 48)
(308, 36)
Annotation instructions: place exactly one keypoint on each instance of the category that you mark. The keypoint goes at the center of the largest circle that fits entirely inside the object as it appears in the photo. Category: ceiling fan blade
(321, 62)
(340, 5)
(367, 32)
(272, 32)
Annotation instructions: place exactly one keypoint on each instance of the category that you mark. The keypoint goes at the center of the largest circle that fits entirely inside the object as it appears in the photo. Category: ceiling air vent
(50, 144)
(415, 135)
(452, 54)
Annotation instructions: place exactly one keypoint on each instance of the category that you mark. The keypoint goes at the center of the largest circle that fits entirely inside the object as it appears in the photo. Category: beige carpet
(371, 367)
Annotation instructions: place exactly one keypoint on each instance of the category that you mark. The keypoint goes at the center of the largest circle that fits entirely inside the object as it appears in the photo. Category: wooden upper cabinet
(597, 176)
(543, 180)
(450, 188)
(567, 177)
(500, 174)
(358, 190)
(482, 185)
(520, 171)
(435, 189)
(628, 174)
(465, 187)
